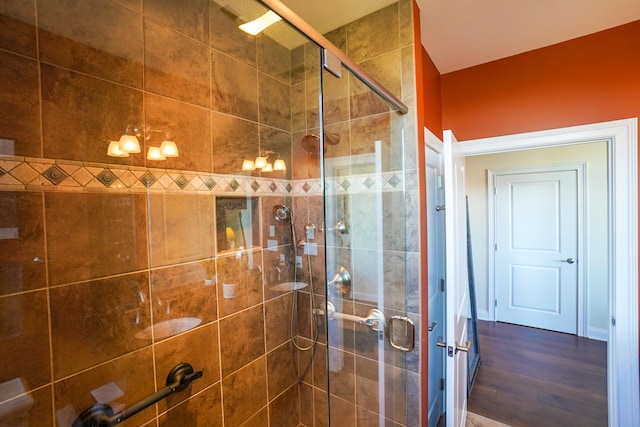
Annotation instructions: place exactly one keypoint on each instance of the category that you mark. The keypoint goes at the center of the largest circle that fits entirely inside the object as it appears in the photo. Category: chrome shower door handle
(407, 343)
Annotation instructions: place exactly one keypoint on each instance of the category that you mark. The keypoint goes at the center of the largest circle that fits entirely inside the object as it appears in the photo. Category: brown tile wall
(90, 273)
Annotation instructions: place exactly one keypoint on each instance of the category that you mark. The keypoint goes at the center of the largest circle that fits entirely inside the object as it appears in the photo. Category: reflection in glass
(237, 223)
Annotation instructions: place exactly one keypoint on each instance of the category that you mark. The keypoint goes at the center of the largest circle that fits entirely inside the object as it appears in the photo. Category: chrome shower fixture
(311, 143)
(282, 213)
(341, 282)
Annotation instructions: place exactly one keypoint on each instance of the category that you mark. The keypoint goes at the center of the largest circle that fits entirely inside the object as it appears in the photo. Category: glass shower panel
(368, 260)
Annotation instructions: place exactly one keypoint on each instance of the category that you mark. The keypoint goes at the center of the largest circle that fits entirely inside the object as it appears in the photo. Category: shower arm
(101, 415)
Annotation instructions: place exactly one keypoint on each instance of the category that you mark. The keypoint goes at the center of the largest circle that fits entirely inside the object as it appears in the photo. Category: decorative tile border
(22, 174)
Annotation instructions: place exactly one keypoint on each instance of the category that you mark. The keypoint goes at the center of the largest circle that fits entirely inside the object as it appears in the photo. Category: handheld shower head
(282, 213)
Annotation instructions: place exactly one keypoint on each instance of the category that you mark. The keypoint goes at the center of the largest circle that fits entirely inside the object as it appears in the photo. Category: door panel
(536, 239)
(457, 293)
(436, 248)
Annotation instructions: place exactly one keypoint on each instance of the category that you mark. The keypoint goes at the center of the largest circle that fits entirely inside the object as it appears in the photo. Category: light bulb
(129, 144)
(267, 168)
(260, 162)
(279, 165)
(115, 151)
(247, 165)
(154, 153)
(169, 148)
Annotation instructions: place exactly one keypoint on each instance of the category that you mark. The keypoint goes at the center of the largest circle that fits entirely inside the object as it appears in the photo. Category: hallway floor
(534, 378)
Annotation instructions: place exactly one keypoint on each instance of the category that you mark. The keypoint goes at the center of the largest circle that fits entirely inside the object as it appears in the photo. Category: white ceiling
(462, 33)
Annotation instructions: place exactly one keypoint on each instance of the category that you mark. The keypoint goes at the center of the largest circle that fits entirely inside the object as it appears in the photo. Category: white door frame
(622, 142)
(580, 169)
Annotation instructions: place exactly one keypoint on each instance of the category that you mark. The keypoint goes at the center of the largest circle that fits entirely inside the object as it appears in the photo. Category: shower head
(311, 143)
(281, 213)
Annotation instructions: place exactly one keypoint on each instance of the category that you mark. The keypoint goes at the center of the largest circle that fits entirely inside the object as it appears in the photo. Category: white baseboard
(483, 315)
(598, 334)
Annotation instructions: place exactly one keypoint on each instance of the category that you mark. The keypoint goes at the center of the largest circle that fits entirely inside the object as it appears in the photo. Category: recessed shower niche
(237, 223)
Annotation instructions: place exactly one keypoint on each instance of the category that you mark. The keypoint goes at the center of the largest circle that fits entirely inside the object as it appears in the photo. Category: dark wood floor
(533, 378)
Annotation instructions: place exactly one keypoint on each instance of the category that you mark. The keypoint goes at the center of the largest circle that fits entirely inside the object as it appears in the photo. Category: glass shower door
(371, 258)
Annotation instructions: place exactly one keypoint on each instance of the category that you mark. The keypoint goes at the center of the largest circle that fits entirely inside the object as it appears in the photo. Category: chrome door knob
(569, 260)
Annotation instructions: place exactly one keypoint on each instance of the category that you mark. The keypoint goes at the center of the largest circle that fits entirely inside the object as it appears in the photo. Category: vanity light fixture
(261, 163)
(155, 153)
(258, 25)
(169, 148)
(279, 165)
(129, 142)
(248, 165)
(115, 151)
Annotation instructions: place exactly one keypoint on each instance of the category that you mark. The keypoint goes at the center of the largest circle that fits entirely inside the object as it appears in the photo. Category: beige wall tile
(239, 281)
(361, 46)
(205, 409)
(190, 17)
(94, 235)
(284, 410)
(81, 114)
(176, 65)
(20, 104)
(260, 419)
(226, 37)
(273, 58)
(22, 258)
(245, 392)
(234, 86)
(94, 322)
(335, 97)
(274, 101)
(281, 369)
(199, 348)
(30, 409)
(118, 383)
(298, 107)
(243, 337)
(343, 413)
(280, 143)
(277, 315)
(342, 374)
(181, 228)
(99, 38)
(17, 26)
(234, 139)
(24, 340)
(187, 125)
(186, 291)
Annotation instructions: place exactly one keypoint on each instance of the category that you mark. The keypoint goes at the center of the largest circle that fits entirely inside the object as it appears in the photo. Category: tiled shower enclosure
(115, 269)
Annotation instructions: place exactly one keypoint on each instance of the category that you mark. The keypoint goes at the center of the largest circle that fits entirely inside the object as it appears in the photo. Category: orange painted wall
(432, 99)
(591, 79)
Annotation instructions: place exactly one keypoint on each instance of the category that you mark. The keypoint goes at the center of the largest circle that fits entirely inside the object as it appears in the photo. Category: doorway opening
(622, 245)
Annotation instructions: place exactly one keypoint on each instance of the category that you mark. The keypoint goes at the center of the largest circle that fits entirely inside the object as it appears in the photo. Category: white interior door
(436, 248)
(536, 249)
(457, 289)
